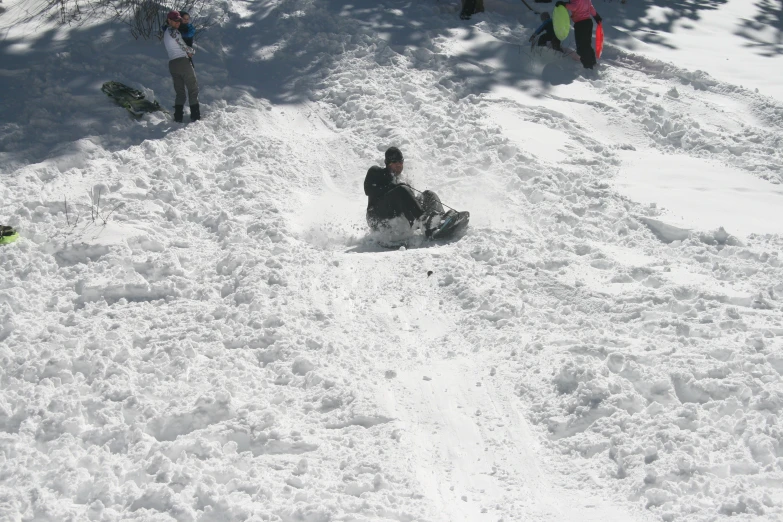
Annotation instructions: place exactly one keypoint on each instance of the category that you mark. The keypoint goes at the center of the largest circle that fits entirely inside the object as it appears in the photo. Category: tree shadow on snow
(764, 31)
(275, 50)
(495, 54)
(283, 50)
(651, 21)
(52, 98)
(278, 51)
(51, 77)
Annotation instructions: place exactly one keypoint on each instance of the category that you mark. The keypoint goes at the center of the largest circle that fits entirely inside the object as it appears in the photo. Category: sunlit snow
(196, 325)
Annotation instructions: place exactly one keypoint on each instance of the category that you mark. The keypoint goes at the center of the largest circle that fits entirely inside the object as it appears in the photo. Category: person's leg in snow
(192, 84)
(425, 211)
(185, 85)
(546, 38)
(399, 201)
(176, 69)
(430, 202)
(468, 8)
(433, 212)
(583, 34)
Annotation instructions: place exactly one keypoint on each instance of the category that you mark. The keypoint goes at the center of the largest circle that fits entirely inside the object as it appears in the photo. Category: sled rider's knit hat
(393, 155)
(174, 16)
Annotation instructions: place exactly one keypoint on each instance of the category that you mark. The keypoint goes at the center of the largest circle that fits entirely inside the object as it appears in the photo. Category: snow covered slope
(738, 41)
(195, 325)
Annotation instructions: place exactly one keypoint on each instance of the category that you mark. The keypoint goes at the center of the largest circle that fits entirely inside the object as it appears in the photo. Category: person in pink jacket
(582, 14)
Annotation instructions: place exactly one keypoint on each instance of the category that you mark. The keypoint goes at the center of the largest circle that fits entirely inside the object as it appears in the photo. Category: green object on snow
(7, 235)
(562, 22)
(8, 239)
(132, 99)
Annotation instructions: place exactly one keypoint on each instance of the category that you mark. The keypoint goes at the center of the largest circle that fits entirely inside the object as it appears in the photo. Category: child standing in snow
(186, 29)
(582, 14)
(548, 29)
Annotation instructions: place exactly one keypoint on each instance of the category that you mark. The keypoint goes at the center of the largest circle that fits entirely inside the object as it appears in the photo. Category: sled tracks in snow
(476, 456)
(690, 114)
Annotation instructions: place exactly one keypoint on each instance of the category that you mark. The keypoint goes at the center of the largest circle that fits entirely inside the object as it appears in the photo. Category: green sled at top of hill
(561, 21)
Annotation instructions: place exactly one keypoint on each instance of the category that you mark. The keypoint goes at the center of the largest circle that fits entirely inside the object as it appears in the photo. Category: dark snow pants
(468, 8)
(546, 37)
(583, 33)
(184, 76)
(401, 201)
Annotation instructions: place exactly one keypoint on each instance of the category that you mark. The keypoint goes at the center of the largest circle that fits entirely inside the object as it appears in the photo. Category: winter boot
(445, 225)
(178, 113)
(468, 8)
(195, 113)
(430, 222)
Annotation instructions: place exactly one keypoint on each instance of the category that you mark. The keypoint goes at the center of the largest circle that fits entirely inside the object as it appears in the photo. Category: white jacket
(174, 44)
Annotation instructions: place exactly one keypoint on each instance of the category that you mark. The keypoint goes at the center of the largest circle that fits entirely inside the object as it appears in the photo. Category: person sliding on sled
(181, 69)
(390, 200)
(582, 14)
(548, 29)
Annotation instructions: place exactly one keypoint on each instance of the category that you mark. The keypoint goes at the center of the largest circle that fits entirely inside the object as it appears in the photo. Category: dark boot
(178, 113)
(468, 8)
(195, 113)
(441, 226)
(430, 202)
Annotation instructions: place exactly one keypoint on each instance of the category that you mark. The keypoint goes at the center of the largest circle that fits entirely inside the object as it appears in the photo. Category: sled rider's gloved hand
(597, 18)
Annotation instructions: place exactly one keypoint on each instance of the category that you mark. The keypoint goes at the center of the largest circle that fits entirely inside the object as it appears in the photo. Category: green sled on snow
(8, 235)
(562, 22)
(132, 99)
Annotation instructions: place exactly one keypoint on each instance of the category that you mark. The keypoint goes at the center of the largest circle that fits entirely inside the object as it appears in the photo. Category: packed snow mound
(193, 327)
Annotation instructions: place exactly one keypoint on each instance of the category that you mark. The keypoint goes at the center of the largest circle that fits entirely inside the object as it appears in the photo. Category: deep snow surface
(196, 325)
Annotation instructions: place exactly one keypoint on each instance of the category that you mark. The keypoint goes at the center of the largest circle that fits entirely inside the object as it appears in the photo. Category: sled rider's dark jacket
(387, 198)
(377, 183)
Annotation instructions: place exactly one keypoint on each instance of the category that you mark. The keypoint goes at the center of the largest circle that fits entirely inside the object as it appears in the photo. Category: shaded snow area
(196, 326)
